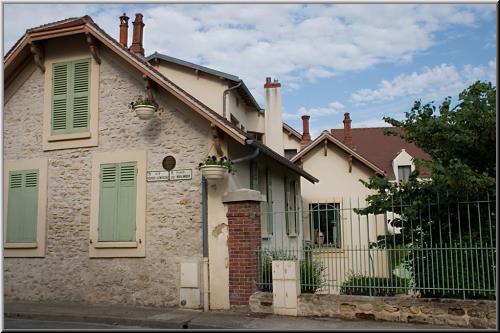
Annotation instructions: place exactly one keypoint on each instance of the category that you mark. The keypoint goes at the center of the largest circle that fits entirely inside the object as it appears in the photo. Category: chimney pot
(271, 84)
(136, 46)
(124, 29)
(347, 130)
(306, 137)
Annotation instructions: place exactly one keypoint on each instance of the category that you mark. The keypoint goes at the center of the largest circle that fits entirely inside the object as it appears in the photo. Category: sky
(371, 60)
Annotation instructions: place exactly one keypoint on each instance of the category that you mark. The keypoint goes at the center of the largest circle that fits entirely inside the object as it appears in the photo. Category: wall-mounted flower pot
(144, 111)
(213, 172)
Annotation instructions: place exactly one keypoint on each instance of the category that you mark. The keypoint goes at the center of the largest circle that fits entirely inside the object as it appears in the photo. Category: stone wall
(243, 242)
(453, 312)
(173, 216)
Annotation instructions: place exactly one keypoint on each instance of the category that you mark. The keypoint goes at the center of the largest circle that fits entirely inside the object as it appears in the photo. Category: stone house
(85, 219)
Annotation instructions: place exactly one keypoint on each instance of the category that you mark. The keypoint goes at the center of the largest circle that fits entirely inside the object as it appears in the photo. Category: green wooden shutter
(108, 202)
(297, 207)
(70, 96)
(269, 196)
(254, 175)
(61, 73)
(125, 228)
(117, 202)
(22, 210)
(81, 100)
(287, 206)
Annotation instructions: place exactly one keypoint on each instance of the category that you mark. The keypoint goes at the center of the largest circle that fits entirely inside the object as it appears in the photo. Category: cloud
(296, 43)
(331, 109)
(430, 83)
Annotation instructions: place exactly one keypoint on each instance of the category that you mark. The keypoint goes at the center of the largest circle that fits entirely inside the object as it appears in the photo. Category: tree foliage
(452, 207)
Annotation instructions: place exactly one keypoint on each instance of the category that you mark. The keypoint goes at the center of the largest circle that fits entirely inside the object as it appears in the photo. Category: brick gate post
(244, 240)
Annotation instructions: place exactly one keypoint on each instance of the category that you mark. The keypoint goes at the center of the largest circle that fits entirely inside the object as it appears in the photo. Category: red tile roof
(381, 149)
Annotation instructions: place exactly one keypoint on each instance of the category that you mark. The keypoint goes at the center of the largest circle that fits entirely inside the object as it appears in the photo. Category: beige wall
(173, 219)
(290, 141)
(206, 88)
(338, 185)
(210, 90)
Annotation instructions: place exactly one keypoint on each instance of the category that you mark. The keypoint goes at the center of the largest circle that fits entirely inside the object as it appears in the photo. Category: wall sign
(158, 176)
(168, 163)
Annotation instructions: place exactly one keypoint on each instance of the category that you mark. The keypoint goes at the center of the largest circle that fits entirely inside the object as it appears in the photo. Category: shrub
(359, 284)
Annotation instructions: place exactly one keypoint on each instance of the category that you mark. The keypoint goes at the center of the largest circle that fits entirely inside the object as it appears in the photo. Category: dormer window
(404, 173)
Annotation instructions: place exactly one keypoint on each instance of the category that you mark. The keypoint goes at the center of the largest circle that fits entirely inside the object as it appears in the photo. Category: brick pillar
(244, 240)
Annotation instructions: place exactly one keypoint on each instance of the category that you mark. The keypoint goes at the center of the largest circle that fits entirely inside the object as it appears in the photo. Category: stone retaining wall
(453, 312)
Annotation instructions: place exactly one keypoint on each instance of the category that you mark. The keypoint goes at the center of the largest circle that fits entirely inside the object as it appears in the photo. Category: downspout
(224, 97)
(204, 220)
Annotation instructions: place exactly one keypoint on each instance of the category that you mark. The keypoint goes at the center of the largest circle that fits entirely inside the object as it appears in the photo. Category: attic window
(289, 153)
(234, 120)
(255, 135)
(404, 173)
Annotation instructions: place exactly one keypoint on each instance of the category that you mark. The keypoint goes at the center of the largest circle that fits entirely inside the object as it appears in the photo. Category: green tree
(452, 207)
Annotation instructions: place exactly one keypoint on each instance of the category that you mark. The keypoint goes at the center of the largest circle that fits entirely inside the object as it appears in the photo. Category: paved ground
(22, 315)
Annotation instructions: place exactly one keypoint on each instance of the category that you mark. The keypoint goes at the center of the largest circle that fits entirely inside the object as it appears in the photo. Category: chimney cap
(346, 115)
(305, 116)
(270, 84)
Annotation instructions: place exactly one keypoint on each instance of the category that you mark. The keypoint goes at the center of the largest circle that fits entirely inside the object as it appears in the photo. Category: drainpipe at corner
(204, 220)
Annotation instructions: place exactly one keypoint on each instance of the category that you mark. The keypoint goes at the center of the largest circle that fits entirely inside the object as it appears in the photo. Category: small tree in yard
(433, 213)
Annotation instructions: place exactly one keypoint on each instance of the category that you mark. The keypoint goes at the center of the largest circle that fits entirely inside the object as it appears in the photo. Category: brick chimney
(347, 130)
(306, 137)
(136, 46)
(273, 137)
(124, 29)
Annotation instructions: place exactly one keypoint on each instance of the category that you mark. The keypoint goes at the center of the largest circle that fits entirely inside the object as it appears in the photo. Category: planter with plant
(144, 107)
(215, 168)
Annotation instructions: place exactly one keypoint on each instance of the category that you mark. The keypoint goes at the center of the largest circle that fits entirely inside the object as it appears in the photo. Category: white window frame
(119, 249)
(36, 249)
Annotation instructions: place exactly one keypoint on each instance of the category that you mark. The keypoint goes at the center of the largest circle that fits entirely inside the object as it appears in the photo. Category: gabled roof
(381, 149)
(242, 90)
(85, 24)
(292, 131)
(19, 53)
(325, 135)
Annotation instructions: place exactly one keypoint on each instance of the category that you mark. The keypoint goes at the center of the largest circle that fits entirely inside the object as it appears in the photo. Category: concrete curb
(147, 323)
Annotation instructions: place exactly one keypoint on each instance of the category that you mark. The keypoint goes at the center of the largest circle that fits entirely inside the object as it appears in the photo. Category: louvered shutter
(297, 207)
(287, 206)
(270, 213)
(81, 100)
(117, 202)
(254, 175)
(108, 202)
(61, 73)
(125, 228)
(22, 210)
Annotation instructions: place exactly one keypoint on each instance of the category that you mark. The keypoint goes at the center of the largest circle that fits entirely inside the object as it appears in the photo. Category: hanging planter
(214, 169)
(144, 108)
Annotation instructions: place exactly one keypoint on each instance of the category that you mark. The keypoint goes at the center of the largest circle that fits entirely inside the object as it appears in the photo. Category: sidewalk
(165, 318)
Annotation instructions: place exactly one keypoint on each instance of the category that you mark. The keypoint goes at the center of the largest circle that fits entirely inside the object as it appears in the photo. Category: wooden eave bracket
(92, 44)
(38, 55)
(149, 87)
(216, 138)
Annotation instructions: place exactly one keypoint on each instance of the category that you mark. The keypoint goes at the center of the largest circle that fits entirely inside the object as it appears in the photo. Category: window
(25, 198)
(118, 205)
(292, 208)
(255, 136)
(234, 120)
(325, 223)
(289, 153)
(404, 173)
(71, 102)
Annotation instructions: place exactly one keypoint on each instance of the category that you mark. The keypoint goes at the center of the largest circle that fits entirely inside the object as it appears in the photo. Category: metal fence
(427, 249)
